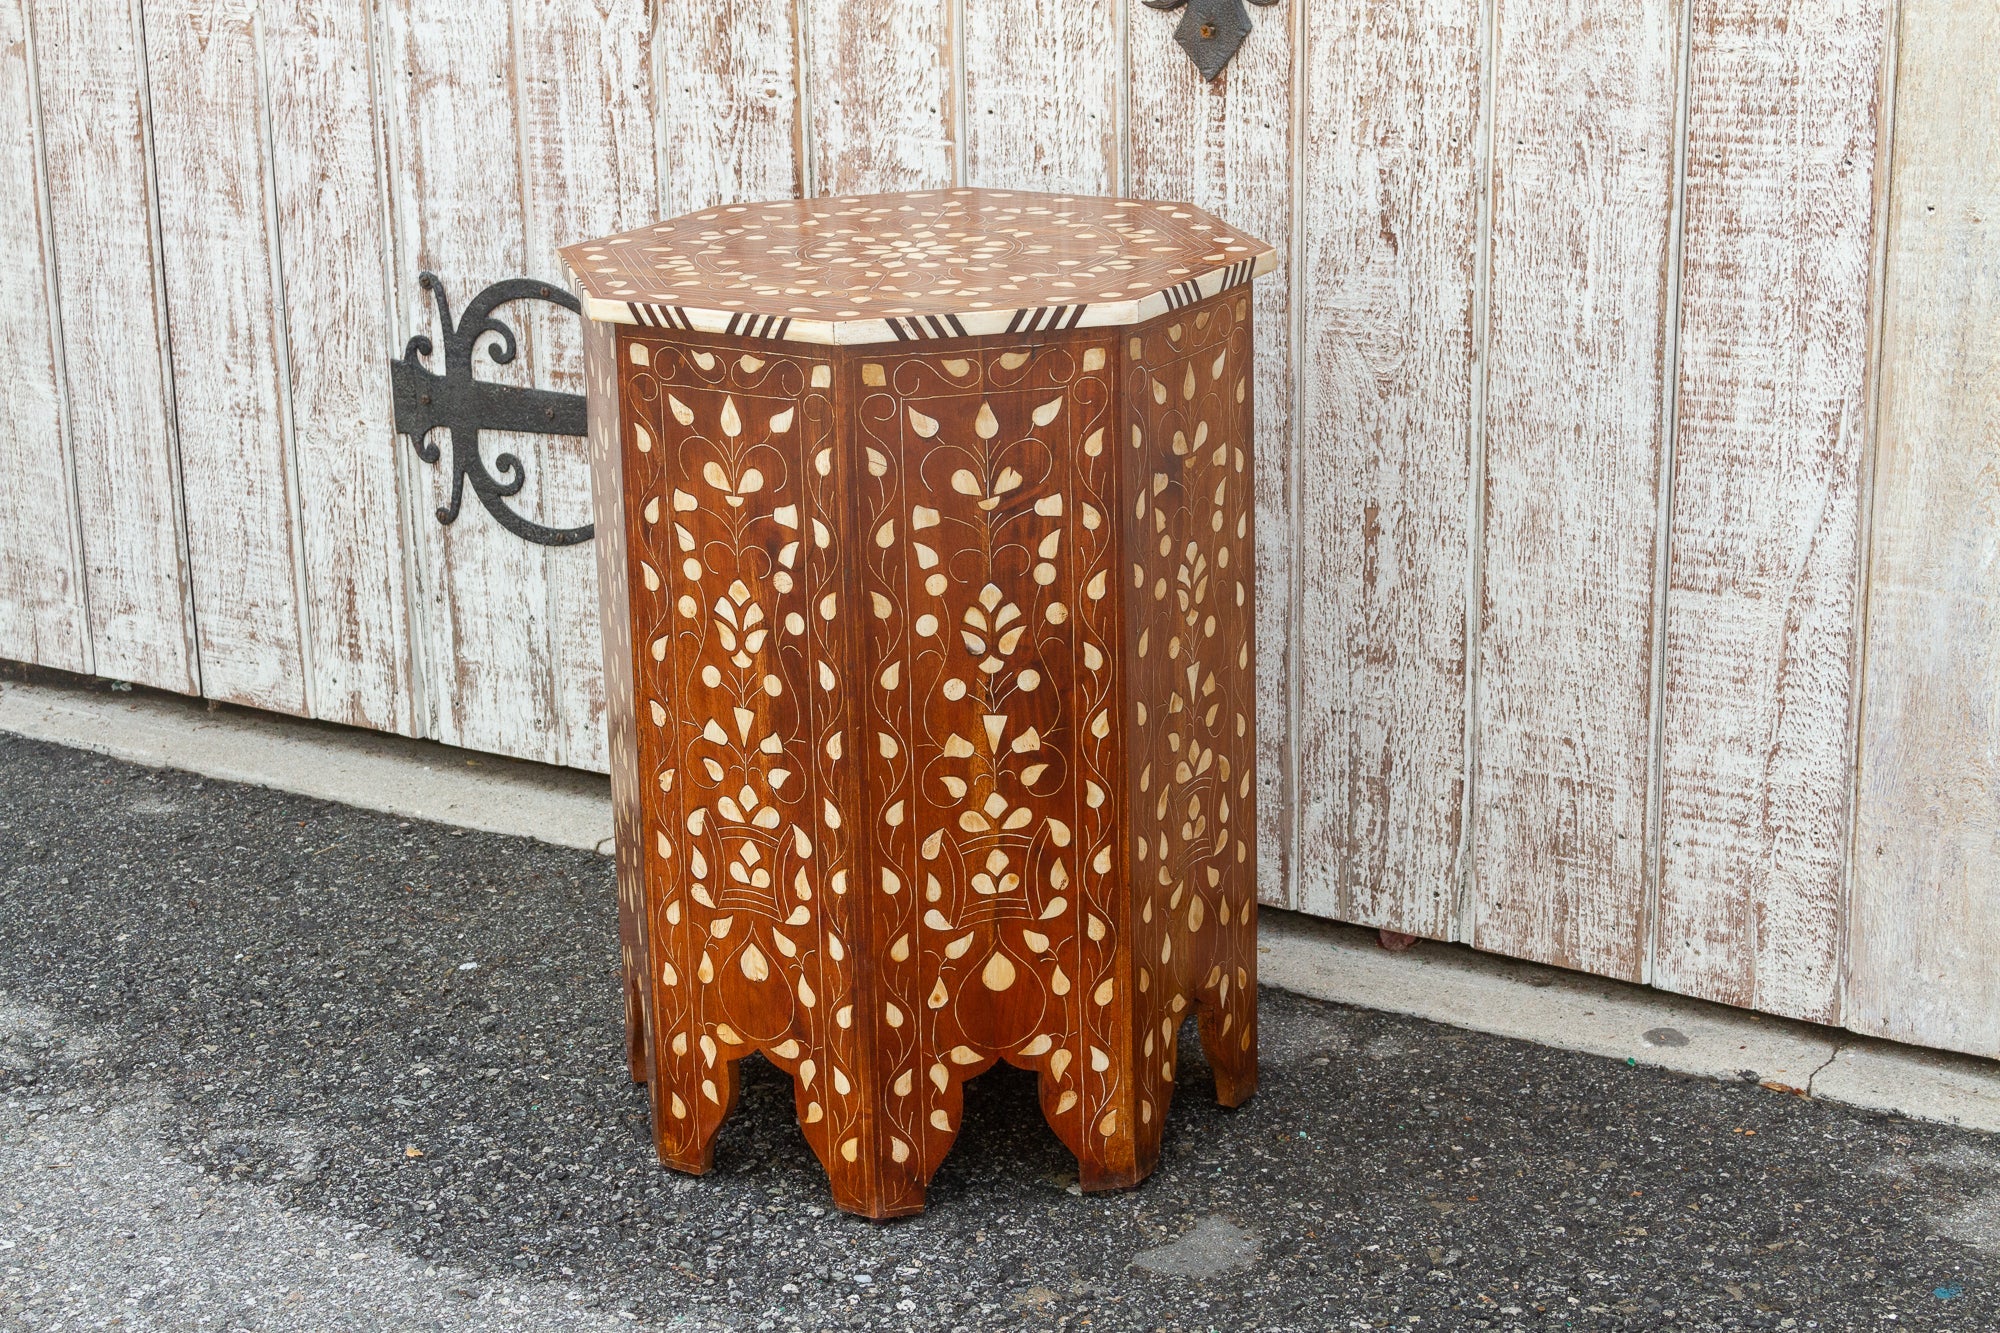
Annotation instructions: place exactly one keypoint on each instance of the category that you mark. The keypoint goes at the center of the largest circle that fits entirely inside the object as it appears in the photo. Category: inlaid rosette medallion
(925, 526)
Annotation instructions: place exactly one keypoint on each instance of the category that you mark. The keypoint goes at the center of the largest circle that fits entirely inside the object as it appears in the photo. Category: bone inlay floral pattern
(942, 673)
(940, 264)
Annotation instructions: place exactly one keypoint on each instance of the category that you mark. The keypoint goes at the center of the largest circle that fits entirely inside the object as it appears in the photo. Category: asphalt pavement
(271, 1063)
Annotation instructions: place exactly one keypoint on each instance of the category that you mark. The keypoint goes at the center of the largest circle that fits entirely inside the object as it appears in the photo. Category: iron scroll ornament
(455, 401)
(1211, 30)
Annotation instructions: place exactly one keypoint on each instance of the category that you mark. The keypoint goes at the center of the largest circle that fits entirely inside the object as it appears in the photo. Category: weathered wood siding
(218, 251)
(95, 113)
(42, 612)
(1923, 955)
(1573, 456)
(357, 492)
(1764, 564)
(1389, 183)
(1594, 430)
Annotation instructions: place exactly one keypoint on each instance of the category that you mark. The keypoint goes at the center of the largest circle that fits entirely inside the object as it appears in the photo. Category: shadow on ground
(270, 1063)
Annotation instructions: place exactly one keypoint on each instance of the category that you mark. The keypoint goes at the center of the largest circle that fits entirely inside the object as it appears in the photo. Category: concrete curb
(1447, 984)
(393, 774)
(1452, 984)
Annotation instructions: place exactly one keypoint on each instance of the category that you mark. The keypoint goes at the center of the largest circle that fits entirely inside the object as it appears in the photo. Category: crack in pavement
(1825, 1065)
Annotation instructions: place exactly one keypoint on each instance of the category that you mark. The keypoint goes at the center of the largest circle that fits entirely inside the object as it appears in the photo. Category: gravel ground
(268, 1063)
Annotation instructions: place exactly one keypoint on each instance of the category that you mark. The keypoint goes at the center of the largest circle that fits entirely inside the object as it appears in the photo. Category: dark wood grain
(621, 723)
(944, 674)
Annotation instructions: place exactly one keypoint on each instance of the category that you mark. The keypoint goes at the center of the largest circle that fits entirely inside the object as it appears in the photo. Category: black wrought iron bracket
(455, 401)
(1211, 30)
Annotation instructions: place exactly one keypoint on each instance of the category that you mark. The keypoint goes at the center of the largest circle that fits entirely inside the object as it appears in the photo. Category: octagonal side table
(925, 536)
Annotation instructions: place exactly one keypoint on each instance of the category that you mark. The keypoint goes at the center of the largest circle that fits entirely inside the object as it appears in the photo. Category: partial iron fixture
(1211, 30)
(455, 401)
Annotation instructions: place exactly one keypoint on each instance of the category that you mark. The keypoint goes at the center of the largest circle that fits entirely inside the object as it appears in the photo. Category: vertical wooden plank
(333, 236)
(127, 477)
(879, 83)
(1764, 567)
(1041, 95)
(1389, 202)
(1583, 193)
(1227, 147)
(1921, 962)
(587, 128)
(42, 615)
(457, 185)
(208, 142)
(727, 86)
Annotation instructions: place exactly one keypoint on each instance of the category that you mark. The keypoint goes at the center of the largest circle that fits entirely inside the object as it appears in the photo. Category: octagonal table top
(900, 267)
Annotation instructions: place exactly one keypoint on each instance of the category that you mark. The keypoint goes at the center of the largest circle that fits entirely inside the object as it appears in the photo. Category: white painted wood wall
(1632, 366)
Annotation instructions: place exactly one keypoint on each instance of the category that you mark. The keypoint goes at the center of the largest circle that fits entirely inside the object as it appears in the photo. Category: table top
(900, 267)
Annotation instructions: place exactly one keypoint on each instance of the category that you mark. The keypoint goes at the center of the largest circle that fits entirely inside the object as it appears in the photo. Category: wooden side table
(925, 526)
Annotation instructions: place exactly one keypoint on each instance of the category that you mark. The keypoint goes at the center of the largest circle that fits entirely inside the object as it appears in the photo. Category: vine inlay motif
(942, 689)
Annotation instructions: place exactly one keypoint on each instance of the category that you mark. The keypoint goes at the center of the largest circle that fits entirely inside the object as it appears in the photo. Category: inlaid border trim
(920, 328)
